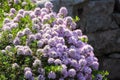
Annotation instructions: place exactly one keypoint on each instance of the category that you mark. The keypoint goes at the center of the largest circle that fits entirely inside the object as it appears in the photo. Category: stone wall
(100, 21)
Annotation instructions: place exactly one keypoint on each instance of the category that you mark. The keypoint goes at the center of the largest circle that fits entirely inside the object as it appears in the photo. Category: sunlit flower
(63, 11)
(28, 74)
(51, 75)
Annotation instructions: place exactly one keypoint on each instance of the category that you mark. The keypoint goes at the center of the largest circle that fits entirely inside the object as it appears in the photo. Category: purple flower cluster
(28, 74)
(57, 39)
(37, 63)
(23, 50)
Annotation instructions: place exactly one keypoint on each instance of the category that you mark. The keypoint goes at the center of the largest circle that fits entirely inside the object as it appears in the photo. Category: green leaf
(103, 73)
(76, 19)
(83, 39)
(2, 77)
(53, 68)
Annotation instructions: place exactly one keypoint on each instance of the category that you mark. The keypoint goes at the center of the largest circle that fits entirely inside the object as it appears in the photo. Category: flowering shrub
(41, 44)
(13, 6)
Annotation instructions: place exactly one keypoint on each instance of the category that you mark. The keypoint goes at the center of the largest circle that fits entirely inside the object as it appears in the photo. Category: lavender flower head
(40, 43)
(64, 71)
(37, 11)
(87, 70)
(32, 15)
(82, 62)
(3, 51)
(8, 48)
(73, 25)
(38, 36)
(71, 72)
(28, 52)
(14, 25)
(11, 15)
(7, 20)
(53, 54)
(12, 10)
(72, 52)
(41, 71)
(35, 27)
(20, 34)
(99, 77)
(51, 60)
(20, 51)
(27, 31)
(74, 63)
(45, 10)
(19, 16)
(61, 78)
(51, 75)
(58, 62)
(63, 11)
(80, 76)
(60, 21)
(28, 74)
(37, 62)
(16, 41)
(32, 37)
(68, 20)
(15, 65)
(27, 69)
(16, 1)
(41, 77)
(95, 65)
(48, 5)
(24, 3)
(77, 32)
(21, 11)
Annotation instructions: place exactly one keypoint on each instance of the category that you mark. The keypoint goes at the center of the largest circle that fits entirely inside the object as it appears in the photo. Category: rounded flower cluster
(57, 47)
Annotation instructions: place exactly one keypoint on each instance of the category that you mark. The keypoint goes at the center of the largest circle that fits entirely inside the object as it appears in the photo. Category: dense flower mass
(47, 45)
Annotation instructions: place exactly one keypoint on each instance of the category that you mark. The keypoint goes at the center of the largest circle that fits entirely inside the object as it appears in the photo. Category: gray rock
(118, 41)
(116, 16)
(105, 42)
(115, 55)
(98, 16)
(78, 1)
(112, 66)
(100, 7)
(99, 23)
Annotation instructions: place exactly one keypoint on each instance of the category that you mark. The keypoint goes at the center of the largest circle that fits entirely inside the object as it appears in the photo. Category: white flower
(37, 62)
(15, 65)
